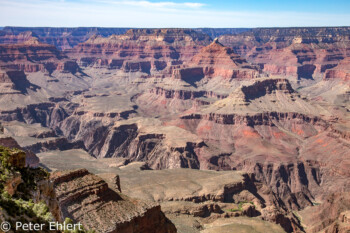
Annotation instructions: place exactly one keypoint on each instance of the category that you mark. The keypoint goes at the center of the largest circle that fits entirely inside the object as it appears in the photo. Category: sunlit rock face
(269, 106)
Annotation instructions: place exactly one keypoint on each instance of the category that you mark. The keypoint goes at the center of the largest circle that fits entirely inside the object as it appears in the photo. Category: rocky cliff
(171, 99)
(15, 82)
(219, 61)
(339, 72)
(86, 198)
(30, 159)
(67, 38)
(140, 49)
(33, 195)
(62, 38)
(246, 132)
(298, 52)
(10, 38)
(331, 215)
(34, 56)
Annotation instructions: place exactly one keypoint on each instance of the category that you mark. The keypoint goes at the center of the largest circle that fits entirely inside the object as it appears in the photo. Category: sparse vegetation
(20, 207)
(5, 169)
(17, 207)
(240, 205)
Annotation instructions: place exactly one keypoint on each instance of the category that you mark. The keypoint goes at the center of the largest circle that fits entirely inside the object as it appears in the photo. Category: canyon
(173, 130)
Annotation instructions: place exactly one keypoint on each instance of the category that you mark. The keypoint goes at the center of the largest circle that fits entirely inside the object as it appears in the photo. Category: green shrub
(240, 205)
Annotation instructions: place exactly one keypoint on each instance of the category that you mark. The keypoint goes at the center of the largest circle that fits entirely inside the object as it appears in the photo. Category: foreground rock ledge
(86, 198)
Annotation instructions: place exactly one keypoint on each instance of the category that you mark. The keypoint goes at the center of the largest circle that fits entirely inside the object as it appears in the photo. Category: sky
(174, 13)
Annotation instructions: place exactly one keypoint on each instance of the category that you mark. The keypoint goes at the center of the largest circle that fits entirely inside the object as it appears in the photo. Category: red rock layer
(33, 56)
(340, 72)
(299, 52)
(10, 38)
(217, 60)
(159, 47)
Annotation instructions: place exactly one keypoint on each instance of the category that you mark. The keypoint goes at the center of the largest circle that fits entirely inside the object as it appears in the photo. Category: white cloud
(90, 13)
(160, 4)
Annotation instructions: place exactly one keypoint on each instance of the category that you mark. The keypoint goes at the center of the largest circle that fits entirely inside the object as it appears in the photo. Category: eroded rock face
(141, 50)
(339, 72)
(245, 132)
(62, 38)
(209, 195)
(27, 159)
(15, 82)
(215, 60)
(171, 99)
(34, 56)
(11, 38)
(67, 38)
(138, 143)
(331, 215)
(304, 53)
(87, 199)
(221, 61)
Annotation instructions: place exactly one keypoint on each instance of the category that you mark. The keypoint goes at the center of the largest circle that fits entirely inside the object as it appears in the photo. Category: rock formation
(86, 198)
(99, 208)
(62, 38)
(304, 53)
(220, 61)
(67, 38)
(34, 56)
(272, 105)
(143, 50)
(27, 158)
(339, 72)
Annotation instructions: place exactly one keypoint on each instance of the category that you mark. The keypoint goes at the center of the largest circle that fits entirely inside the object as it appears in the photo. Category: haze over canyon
(176, 129)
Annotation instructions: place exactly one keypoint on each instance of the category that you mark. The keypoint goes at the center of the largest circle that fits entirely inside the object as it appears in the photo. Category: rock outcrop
(26, 158)
(62, 38)
(7, 37)
(220, 61)
(67, 38)
(339, 72)
(141, 50)
(86, 198)
(15, 82)
(138, 141)
(331, 215)
(171, 99)
(304, 53)
(34, 56)
(245, 133)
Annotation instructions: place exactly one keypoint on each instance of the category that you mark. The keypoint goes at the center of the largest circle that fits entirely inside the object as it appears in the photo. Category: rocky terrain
(303, 53)
(140, 50)
(249, 131)
(29, 192)
(67, 38)
(33, 56)
(62, 38)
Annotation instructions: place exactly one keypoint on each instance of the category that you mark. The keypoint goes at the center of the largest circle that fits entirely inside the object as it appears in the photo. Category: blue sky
(174, 13)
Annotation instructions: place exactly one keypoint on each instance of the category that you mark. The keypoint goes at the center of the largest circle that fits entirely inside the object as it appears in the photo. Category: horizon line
(343, 26)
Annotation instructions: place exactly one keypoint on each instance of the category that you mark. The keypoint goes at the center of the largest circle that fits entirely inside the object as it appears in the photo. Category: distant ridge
(67, 37)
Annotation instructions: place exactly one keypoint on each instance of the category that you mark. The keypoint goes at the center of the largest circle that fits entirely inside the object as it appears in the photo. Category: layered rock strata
(34, 56)
(86, 198)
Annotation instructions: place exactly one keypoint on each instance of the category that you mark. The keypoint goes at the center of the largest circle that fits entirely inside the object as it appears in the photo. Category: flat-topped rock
(86, 198)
